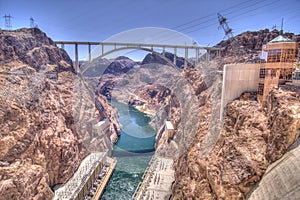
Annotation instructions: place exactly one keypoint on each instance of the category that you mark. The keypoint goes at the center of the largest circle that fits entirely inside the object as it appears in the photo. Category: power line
(257, 7)
(232, 9)
(212, 14)
(209, 18)
(237, 16)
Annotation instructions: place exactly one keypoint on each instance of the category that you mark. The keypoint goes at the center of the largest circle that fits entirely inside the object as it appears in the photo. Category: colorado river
(133, 151)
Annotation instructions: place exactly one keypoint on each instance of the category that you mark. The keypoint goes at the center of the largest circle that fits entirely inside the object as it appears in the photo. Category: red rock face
(32, 47)
(41, 144)
(250, 140)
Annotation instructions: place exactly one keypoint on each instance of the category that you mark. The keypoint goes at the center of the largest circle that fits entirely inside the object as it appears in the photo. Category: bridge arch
(173, 64)
(188, 100)
(150, 39)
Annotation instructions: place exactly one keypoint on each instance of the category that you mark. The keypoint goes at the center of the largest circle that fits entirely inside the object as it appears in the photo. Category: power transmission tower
(31, 22)
(7, 19)
(223, 23)
(236, 49)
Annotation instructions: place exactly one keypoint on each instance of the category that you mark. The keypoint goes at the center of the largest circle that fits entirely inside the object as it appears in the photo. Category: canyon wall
(250, 140)
(41, 131)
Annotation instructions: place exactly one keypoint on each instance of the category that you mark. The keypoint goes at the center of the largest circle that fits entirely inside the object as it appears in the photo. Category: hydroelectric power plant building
(281, 54)
(89, 180)
(278, 66)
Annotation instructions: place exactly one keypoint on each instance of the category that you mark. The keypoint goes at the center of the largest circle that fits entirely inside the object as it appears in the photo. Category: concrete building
(169, 129)
(238, 78)
(281, 54)
(296, 76)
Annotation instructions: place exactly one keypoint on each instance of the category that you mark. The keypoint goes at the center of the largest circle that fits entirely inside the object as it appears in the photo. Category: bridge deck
(122, 44)
(142, 46)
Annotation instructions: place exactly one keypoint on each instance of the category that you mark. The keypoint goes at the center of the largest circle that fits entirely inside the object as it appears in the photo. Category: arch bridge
(117, 46)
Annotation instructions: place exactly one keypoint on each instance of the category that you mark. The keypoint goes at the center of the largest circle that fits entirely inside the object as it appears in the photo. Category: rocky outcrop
(120, 66)
(250, 140)
(247, 45)
(41, 137)
(40, 146)
(283, 120)
(150, 97)
(101, 66)
(95, 68)
(112, 73)
(158, 58)
(34, 48)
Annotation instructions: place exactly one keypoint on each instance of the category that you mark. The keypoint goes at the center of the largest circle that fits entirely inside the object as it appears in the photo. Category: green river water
(133, 151)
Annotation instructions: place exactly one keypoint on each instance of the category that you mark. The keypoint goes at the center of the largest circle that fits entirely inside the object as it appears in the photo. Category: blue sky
(88, 20)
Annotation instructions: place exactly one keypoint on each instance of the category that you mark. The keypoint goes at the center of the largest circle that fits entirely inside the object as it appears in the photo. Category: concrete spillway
(157, 180)
(281, 180)
(96, 166)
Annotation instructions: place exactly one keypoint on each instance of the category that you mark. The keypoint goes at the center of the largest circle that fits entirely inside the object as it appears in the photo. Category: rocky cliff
(156, 58)
(247, 45)
(41, 132)
(251, 139)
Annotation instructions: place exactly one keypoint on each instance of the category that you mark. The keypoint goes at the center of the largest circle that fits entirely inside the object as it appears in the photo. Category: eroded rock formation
(250, 140)
(41, 143)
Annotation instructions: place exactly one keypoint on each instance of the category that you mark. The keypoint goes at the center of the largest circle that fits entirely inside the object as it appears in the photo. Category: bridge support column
(63, 46)
(197, 55)
(76, 58)
(89, 49)
(207, 55)
(186, 57)
(102, 47)
(175, 56)
(164, 52)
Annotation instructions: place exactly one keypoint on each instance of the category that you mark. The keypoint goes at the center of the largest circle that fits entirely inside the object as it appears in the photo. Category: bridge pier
(76, 58)
(89, 49)
(186, 57)
(207, 55)
(197, 55)
(175, 56)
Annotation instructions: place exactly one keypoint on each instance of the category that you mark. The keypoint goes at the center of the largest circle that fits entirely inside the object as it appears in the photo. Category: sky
(97, 20)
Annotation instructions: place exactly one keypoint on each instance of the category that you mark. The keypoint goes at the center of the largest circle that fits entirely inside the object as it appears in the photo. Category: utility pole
(281, 29)
(7, 19)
